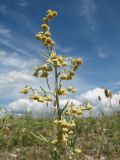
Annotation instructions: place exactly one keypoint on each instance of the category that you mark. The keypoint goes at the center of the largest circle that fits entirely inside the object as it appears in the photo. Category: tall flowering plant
(64, 69)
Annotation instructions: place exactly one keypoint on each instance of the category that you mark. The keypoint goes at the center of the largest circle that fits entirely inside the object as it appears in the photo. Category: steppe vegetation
(68, 135)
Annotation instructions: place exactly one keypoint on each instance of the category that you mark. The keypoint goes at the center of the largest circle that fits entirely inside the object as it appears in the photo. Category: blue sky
(84, 28)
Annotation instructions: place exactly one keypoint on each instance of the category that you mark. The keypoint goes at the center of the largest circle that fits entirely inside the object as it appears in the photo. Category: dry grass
(98, 138)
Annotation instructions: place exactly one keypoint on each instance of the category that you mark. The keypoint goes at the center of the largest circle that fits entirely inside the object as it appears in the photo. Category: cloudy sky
(84, 28)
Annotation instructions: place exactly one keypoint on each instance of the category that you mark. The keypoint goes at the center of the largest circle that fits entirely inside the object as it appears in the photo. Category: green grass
(98, 138)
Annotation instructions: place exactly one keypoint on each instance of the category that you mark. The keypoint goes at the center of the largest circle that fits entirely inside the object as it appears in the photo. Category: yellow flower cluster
(78, 151)
(25, 90)
(41, 99)
(71, 89)
(61, 92)
(45, 35)
(87, 107)
(56, 60)
(45, 68)
(76, 63)
(65, 129)
(75, 111)
(67, 76)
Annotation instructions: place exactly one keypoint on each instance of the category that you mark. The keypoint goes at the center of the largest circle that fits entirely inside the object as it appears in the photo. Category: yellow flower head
(34, 97)
(69, 77)
(79, 61)
(63, 76)
(38, 36)
(48, 41)
(64, 64)
(25, 90)
(41, 99)
(47, 34)
(43, 38)
(44, 74)
(44, 67)
(62, 91)
(60, 58)
(48, 98)
(49, 11)
(54, 141)
(45, 27)
(78, 151)
(49, 69)
(55, 13)
(53, 55)
(50, 15)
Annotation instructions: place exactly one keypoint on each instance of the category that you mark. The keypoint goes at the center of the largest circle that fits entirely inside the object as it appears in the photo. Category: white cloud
(104, 104)
(87, 9)
(15, 60)
(16, 70)
(22, 106)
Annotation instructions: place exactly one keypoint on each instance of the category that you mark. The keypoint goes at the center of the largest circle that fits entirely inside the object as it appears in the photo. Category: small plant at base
(63, 146)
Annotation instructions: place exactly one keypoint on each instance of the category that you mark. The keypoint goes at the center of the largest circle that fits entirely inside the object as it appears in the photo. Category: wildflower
(71, 89)
(47, 34)
(75, 67)
(34, 97)
(50, 15)
(38, 36)
(55, 13)
(44, 67)
(79, 61)
(48, 41)
(61, 91)
(36, 71)
(53, 55)
(57, 63)
(49, 69)
(66, 113)
(71, 73)
(78, 151)
(64, 64)
(41, 99)
(60, 59)
(65, 129)
(69, 77)
(82, 108)
(49, 11)
(44, 74)
(45, 27)
(63, 76)
(48, 98)
(71, 132)
(44, 38)
(54, 141)
(89, 107)
(53, 43)
(25, 90)
(49, 60)
(65, 138)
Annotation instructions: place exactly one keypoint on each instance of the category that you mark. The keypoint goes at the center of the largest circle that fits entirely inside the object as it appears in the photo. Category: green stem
(57, 97)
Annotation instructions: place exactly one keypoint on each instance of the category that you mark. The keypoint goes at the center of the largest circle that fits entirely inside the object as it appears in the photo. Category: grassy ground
(98, 138)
